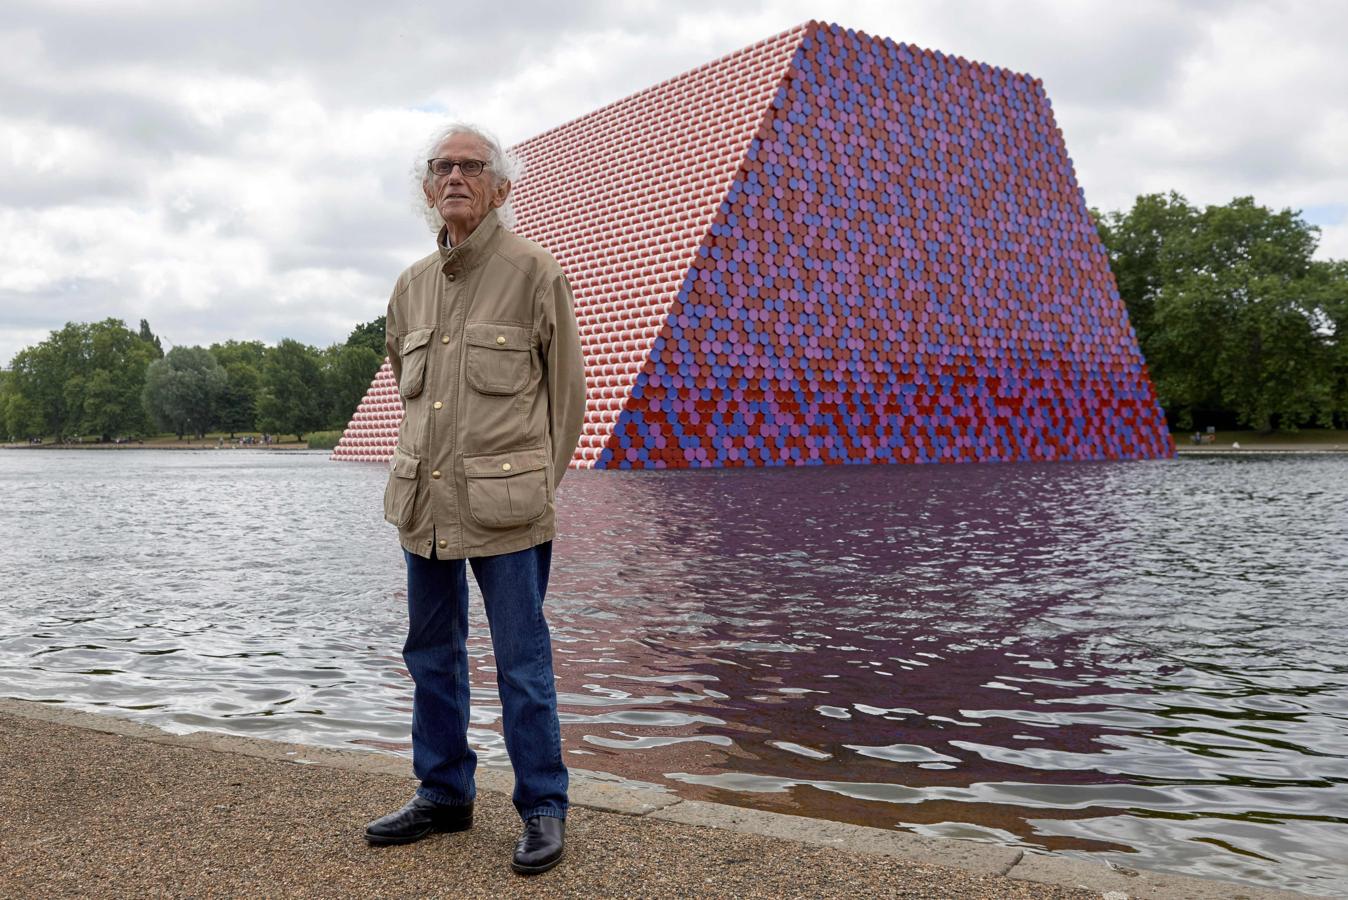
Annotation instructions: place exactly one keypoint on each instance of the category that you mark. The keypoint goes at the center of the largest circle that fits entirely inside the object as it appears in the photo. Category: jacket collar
(473, 249)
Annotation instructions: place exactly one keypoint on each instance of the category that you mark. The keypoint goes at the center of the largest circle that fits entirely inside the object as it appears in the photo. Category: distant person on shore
(483, 341)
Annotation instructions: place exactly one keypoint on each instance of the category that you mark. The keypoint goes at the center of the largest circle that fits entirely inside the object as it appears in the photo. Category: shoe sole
(536, 870)
(389, 841)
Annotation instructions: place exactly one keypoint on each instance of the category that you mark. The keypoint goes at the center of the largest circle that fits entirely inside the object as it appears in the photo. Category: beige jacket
(483, 341)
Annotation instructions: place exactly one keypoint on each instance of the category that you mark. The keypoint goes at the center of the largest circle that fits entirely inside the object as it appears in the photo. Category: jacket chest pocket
(498, 357)
(413, 352)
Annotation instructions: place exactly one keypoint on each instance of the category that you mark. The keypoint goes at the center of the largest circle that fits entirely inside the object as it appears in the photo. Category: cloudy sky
(239, 169)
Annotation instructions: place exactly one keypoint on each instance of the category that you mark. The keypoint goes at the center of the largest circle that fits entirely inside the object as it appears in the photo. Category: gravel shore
(102, 815)
(90, 812)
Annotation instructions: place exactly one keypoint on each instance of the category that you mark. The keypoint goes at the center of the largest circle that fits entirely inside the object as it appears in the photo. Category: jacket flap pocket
(415, 340)
(497, 337)
(503, 465)
(404, 464)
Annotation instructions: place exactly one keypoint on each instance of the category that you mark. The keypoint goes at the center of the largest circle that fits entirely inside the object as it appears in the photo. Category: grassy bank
(212, 441)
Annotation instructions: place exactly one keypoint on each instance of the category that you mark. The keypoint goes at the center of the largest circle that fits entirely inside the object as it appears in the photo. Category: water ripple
(1134, 662)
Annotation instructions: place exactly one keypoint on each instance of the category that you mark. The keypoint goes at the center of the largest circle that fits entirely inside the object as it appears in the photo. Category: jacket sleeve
(391, 347)
(565, 367)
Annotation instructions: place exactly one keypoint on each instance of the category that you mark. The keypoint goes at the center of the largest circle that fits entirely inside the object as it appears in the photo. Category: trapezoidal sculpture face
(829, 248)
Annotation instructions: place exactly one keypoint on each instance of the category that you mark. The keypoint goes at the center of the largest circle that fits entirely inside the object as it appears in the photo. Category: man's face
(462, 201)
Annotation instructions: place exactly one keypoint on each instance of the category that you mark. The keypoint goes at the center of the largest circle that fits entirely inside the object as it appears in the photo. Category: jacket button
(444, 339)
(450, 276)
(437, 404)
(505, 467)
(500, 339)
(435, 474)
(443, 543)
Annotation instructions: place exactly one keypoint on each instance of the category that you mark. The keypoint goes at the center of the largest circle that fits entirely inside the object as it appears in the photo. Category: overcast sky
(235, 169)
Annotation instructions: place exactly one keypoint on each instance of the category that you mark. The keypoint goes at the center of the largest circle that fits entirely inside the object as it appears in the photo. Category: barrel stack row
(900, 267)
(373, 430)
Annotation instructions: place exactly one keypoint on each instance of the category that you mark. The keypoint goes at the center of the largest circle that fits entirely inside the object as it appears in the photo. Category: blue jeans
(513, 585)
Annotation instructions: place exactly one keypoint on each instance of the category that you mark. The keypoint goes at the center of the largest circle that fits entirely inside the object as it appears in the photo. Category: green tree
(150, 338)
(1329, 282)
(1248, 348)
(1227, 309)
(348, 370)
(43, 375)
(371, 335)
(84, 379)
(22, 417)
(182, 390)
(18, 417)
(113, 379)
(6, 392)
(291, 398)
(1145, 246)
(242, 362)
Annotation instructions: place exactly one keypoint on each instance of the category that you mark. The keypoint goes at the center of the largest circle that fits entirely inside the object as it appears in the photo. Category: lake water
(1142, 662)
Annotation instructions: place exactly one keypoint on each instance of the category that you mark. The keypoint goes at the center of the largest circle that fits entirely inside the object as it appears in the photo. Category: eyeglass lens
(469, 167)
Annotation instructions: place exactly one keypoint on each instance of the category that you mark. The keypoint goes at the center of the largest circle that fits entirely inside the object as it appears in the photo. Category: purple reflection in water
(862, 625)
(1062, 656)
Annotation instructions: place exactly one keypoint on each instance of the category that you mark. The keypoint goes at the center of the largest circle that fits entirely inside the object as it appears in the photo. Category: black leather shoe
(419, 818)
(541, 845)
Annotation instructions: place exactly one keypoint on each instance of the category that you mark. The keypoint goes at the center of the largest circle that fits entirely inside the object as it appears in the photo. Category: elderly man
(482, 338)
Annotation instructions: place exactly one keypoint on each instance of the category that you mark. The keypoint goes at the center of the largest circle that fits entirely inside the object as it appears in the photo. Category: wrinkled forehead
(463, 146)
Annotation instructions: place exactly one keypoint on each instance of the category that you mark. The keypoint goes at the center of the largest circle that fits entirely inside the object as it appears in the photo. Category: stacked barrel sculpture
(829, 248)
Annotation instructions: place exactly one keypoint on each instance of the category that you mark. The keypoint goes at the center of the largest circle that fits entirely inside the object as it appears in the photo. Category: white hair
(503, 164)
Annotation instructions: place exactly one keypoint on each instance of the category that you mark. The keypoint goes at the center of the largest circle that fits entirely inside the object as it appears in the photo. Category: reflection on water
(1140, 661)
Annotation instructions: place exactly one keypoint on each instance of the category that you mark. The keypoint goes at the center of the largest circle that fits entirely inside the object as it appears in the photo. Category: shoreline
(288, 448)
(684, 839)
(1201, 450)
(1280, 449)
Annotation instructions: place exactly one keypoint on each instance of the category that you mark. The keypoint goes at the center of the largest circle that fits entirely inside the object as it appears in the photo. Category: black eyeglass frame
(471, 168)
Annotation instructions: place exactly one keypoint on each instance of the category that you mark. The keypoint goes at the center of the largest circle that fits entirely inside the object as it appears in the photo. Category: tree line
(1240, 327)
(104, 380)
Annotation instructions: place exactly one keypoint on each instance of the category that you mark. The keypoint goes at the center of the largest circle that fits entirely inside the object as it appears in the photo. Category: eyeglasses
(470, 168)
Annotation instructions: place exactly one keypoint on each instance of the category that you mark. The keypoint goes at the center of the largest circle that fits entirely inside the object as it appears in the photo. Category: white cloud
(1333, 241)
(241, 170)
